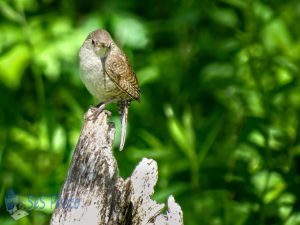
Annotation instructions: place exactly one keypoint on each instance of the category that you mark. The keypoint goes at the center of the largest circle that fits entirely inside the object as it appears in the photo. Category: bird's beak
(102, 49)
(101, 45)
(104, 45)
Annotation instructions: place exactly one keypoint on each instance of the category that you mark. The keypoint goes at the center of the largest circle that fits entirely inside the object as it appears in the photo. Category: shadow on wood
(94, 194)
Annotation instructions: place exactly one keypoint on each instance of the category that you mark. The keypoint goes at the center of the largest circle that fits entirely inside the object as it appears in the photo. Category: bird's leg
(124, 113)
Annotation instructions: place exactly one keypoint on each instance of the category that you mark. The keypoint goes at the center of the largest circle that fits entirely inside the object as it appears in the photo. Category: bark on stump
(100, 196)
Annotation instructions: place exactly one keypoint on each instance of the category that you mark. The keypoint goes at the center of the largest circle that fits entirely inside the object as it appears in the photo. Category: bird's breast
(96, 80)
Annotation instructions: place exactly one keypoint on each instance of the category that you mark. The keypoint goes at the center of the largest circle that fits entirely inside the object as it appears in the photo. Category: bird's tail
(124, 113)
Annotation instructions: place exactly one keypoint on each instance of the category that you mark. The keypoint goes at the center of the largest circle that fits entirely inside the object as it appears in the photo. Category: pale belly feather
(98, 84)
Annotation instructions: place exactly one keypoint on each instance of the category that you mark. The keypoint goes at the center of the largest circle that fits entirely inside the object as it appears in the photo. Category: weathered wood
(94, 194)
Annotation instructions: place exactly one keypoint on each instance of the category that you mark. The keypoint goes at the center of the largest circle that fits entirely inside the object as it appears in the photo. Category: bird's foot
(96, 111)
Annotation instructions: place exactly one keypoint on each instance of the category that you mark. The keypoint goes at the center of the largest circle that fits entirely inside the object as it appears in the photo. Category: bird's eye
(93, 42)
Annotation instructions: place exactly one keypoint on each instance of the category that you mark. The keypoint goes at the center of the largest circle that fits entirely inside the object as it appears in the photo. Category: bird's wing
(120, 72)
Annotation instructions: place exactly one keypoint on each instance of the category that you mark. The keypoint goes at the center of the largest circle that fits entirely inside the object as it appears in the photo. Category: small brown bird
(107, 75)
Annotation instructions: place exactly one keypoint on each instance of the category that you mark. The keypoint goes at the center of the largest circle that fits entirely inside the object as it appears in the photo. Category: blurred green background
(219, 111)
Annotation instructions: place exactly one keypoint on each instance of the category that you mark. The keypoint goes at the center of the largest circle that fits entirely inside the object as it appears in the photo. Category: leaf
(148, 74)
(10, 13)
(13, 64)
(130, 31)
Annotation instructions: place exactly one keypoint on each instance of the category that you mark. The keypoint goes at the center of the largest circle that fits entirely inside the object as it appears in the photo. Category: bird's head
(101, 42)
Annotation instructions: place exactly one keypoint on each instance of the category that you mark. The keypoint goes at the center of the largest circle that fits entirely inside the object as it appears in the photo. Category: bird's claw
(96, 111)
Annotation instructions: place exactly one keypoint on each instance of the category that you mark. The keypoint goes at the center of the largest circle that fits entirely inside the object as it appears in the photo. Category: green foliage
(219, 111)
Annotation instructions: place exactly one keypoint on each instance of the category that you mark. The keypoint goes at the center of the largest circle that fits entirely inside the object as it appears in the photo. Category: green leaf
(10, 13)
(130, 31)
(13, 64)
(148, 74)
(277, 36)
(177, 131)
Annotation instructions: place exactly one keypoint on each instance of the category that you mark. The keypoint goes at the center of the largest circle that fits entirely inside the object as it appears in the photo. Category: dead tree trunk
(94, 194)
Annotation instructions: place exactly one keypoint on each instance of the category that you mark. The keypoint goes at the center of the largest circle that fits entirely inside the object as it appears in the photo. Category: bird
(107, 75)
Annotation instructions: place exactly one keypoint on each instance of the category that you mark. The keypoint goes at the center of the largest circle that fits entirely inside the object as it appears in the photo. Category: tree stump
(94, 194)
